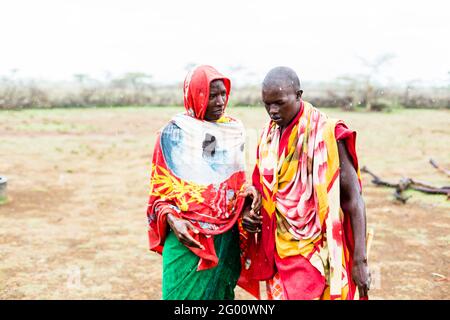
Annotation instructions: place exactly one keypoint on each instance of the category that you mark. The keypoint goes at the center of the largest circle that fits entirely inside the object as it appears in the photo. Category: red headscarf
(196, 89)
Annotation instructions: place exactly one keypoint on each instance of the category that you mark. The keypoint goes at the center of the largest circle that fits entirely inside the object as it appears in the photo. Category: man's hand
(251, 192)
(251, 221)
(361, 276)
(181, 229)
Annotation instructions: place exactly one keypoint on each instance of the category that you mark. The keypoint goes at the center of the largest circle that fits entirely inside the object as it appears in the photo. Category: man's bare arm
(353, 204)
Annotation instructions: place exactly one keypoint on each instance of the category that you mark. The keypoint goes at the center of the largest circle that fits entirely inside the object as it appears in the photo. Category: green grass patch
(433, 199)
(59, 127)
(3, 200)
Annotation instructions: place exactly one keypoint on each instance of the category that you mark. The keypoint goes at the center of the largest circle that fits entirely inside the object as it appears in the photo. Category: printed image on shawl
(220, 154)
(197, 177)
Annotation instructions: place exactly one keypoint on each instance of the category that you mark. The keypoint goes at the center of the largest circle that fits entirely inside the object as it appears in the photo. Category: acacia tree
(374, 68)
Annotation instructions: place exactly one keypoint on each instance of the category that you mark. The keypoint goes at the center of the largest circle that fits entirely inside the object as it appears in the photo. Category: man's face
(282, 103)
(216, 102)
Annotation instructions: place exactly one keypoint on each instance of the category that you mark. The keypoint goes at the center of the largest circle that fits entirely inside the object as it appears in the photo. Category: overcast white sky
(53, 39)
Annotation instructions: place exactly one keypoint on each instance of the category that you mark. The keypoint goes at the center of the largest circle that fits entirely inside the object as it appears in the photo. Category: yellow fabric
(286, 244)
(223, 119)
(310, 157)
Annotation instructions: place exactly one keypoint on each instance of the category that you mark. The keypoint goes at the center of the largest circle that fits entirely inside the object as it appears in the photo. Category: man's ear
(299, 94)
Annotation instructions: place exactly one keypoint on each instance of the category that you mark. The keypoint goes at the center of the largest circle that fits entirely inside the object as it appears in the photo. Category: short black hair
(282, 76)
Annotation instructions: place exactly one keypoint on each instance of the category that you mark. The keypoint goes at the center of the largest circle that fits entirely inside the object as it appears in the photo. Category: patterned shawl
(197, 170)
(307, 241)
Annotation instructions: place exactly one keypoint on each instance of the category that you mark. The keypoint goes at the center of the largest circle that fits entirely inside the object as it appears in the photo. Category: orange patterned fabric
(274, 288)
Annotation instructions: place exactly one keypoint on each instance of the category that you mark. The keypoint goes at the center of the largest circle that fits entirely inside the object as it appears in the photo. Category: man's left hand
(251, 192)
(361, 276)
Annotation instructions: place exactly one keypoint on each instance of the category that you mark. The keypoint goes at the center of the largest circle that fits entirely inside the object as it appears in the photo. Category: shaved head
(282, 95)
(282, 77)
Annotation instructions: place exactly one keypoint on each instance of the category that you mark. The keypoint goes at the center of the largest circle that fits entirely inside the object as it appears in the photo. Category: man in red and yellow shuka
(313, 223)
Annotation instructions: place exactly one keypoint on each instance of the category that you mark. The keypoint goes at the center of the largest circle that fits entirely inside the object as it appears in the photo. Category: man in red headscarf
(197, 193)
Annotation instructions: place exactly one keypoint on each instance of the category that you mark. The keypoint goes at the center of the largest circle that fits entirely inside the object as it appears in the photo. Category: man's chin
(279, 122)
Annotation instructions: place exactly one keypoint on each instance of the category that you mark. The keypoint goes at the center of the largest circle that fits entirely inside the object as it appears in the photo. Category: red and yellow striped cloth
(306, 243)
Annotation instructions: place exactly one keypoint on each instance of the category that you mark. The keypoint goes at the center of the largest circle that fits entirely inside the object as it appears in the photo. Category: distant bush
(134, 90)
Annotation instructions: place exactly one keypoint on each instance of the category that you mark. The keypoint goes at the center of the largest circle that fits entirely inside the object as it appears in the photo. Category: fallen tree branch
(426, 185)
(444, 190)
(405, 184)
(398, 196)
(434, 164)
(376, 180)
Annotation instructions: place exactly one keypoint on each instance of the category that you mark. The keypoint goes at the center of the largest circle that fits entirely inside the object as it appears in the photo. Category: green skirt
(182, 281)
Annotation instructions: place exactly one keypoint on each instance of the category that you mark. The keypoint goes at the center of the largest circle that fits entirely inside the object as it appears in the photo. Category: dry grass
(75, 227)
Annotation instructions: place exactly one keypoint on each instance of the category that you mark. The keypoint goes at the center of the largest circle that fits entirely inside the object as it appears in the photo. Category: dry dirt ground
(74, 224)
